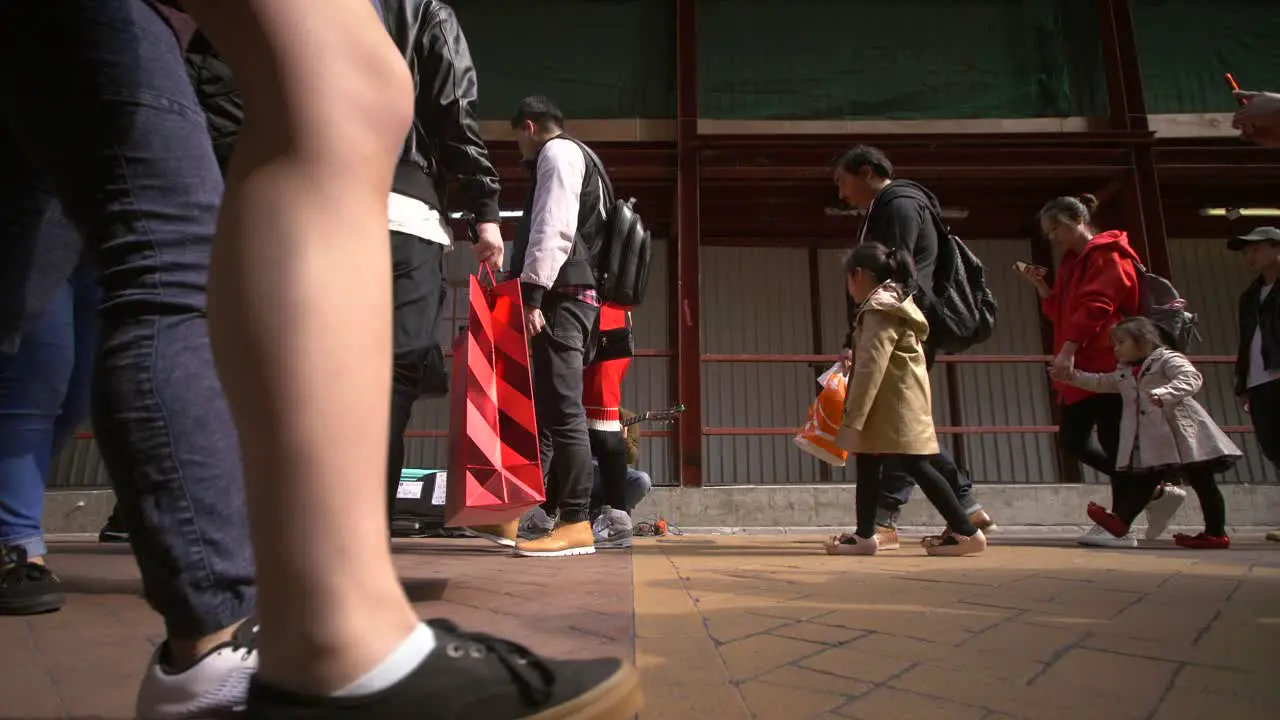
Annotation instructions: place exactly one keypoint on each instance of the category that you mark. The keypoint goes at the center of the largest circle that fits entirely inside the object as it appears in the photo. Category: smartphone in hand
(1027, 268)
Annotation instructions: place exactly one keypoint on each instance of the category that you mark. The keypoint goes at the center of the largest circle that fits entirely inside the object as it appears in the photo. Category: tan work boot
(565, 540)
(886, 538)
(1274, 536)
(504, 534)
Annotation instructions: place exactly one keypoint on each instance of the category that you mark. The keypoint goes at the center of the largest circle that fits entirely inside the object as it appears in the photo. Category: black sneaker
(114, 531)
(470, 676)
(27, 588)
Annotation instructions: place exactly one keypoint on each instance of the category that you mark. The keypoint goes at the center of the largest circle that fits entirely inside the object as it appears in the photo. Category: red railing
(827, 359)
(950, 359)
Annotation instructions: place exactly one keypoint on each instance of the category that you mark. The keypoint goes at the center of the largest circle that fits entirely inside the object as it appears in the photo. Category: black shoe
(114, 531)
(27, 588)
(469, 676)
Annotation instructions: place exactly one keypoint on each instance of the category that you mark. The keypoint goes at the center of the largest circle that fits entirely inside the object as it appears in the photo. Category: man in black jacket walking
(900, 214)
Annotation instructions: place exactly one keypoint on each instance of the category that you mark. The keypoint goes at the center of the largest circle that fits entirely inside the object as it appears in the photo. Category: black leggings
(920, 468)
(609, 447)
(1136, 492)
(1076, 426)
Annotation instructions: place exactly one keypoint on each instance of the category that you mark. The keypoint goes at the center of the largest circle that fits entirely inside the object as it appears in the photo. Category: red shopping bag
(495, 472)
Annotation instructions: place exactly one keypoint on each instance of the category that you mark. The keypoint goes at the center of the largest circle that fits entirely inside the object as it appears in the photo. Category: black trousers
(920, 470)
(1264, 409)
(559, 353)
(1136, 492)
(1076, 428)
(896, 481)
(418, 292)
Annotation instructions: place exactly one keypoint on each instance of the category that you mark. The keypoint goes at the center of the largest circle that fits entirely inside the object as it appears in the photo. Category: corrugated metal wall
(773, 317)
(756, 300)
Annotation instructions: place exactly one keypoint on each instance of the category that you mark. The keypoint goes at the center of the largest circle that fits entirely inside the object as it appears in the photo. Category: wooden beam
(687, 307)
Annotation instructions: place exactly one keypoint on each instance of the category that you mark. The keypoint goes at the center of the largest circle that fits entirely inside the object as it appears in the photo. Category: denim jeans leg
(103, 105)
(33, 383)
(638, 486)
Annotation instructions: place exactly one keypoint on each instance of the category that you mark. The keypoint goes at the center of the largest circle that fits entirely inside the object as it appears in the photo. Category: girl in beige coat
(1163, 432)
(888, 410)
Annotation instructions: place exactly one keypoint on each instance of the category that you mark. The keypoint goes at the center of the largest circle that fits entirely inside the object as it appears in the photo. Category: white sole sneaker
(567, 552)
(1097, 537)
(218, 683)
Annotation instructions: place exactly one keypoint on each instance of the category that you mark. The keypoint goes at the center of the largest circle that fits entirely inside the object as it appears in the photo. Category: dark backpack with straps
(620, 252)
(1160, 302)
(964, 308)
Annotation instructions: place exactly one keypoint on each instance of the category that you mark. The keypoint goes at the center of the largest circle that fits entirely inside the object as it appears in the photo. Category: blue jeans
(44, 392)
(96, 97)
(637, 487)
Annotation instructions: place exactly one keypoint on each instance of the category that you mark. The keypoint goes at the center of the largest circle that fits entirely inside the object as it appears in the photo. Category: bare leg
(300, 319)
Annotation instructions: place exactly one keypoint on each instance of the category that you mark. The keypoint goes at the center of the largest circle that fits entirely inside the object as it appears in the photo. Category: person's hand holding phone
(1034, 275)
(1258, 118)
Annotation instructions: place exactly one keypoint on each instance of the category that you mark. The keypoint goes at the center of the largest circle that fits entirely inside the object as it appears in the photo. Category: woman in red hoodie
(1095, 287)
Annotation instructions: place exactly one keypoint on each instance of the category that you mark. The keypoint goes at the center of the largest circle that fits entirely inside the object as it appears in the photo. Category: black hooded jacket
(900, 217)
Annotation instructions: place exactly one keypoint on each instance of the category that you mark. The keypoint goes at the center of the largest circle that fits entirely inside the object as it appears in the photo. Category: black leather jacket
(445, 139)
(1255, 315)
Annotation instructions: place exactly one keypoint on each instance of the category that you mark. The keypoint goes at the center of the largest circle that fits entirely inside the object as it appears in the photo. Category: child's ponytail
(884, 264)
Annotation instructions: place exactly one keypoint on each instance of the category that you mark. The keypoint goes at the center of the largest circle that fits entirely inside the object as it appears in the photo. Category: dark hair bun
(1089, 202)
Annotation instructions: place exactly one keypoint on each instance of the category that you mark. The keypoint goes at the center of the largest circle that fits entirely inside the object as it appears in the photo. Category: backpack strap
(609, 197)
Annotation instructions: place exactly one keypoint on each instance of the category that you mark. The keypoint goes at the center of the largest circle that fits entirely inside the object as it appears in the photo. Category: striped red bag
(495, 470)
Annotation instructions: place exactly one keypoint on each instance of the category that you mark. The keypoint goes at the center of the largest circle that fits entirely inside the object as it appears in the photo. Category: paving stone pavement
(768, 627)
(86, 660)
(771, 628)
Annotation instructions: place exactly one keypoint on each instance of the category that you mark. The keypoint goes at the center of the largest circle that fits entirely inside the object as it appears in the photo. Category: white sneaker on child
(1098, 537)
(1160, 511)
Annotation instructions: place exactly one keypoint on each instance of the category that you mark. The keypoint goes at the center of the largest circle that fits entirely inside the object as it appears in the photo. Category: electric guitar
(669, 415)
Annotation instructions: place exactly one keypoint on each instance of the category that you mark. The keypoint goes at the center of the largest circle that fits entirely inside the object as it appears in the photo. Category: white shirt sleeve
(561, 169)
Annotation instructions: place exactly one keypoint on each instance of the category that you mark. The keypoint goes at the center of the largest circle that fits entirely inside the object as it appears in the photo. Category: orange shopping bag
(818, 435)
(495, 470)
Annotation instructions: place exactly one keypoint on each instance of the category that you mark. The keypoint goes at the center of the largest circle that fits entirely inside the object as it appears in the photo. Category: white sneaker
(1097, 537)
(217, 683)
(1161, 510)
(612, 529)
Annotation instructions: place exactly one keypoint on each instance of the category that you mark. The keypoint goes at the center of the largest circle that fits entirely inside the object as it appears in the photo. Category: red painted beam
(687, 306)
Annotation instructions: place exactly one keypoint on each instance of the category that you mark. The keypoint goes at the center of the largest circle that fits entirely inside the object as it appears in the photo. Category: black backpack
(621, 251)
(1159, 302)
(963, 312)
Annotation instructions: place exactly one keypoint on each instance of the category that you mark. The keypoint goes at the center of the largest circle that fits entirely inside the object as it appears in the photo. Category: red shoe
(1107, 521)
(1202, 541)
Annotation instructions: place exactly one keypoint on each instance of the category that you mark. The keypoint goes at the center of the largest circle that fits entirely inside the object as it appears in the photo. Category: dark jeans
(636, 487)
(96, 96)
(920, 469)
(44, 392)
(418, 292)
(559, 354)
(895, 485)
(1075, 431)
(1264, 411)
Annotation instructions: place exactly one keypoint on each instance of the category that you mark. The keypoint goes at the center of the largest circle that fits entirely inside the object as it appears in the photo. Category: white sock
(407, 656)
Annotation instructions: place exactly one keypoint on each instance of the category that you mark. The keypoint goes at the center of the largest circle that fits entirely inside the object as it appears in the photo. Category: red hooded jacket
(1094, 289)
